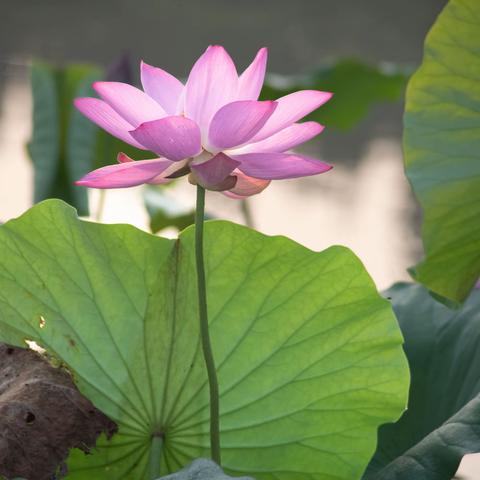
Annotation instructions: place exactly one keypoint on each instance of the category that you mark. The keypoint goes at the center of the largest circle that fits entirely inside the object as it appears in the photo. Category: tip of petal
(81, 183)
(146, 66)
(85, 104)
(98, 86)
(101, 86)
(323, 95)
(79, 102)
(216, 47)
(218, 50)
(328, 95)
(315, 126)
(124, 158)
(263, 51)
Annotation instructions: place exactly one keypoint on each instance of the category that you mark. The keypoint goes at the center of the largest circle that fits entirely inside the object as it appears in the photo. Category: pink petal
(246, 186)
(163, 177)
(129, 102)
(125, 174)
(292, 108)
(276, 166)
(105, 117)
(124, 158)
(237, 122)
(283, 140)
(161, 86)
(212, 83)
(173, 137)
(251, 80)
(213, 171)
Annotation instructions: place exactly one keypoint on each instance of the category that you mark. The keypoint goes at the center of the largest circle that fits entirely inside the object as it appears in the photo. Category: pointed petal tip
(99, 86)
(322, 96)
(316, 127)
(216, 47)
(124, 158)
(79, 102)
(83, 182)
(145, 66)
(328, 95)
(96, 85)
(263, 52)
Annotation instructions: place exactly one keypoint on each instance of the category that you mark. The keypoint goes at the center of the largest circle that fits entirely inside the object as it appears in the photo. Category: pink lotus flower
(213, 127)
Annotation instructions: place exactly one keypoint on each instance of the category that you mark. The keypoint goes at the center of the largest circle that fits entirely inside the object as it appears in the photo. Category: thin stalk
(155, 456)
(100, 205)
(245, 206)
(204, 333)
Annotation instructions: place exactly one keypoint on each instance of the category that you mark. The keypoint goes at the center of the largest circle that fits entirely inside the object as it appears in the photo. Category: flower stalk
(204, 331)
(155, 456)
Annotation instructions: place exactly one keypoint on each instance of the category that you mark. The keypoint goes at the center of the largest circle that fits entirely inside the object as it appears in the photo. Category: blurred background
(365, 202)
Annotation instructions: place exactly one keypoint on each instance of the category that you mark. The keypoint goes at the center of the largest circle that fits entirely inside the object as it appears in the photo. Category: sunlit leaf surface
(309, 355)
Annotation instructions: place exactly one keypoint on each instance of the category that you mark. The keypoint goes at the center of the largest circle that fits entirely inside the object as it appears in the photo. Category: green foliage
(65, 145)
(63, 140)
(442, 151)
(442, 422)
(356, 87)
(309, 355)
(202, 469)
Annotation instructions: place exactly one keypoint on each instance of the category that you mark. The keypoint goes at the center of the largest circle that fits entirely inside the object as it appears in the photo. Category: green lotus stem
(204, 332)
(155, 456)
(247, 213)
(100, 206)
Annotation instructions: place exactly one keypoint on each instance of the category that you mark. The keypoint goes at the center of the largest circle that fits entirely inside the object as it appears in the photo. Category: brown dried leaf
(42, 416)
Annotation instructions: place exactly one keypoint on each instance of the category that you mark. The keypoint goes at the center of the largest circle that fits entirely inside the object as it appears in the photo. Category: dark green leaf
(63, 141)
(442, 422)
(81, 133)
(44, 147)
(442, 151)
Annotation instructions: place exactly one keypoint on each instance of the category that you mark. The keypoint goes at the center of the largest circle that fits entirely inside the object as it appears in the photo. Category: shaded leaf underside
(442, 423)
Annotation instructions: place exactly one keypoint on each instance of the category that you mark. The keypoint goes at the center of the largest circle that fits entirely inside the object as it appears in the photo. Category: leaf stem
(204, 332)
(100, 206)
(155, 456)
(247, 213)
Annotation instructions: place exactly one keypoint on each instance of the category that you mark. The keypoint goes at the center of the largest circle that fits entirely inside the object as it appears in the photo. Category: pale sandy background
(364, 203)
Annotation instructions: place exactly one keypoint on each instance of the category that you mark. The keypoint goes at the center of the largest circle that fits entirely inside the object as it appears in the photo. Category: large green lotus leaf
(442, 422)
(442, 150)
(309, 355)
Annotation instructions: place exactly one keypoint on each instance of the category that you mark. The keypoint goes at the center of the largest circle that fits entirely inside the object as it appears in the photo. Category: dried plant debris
(42, 416)
(202, 469)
